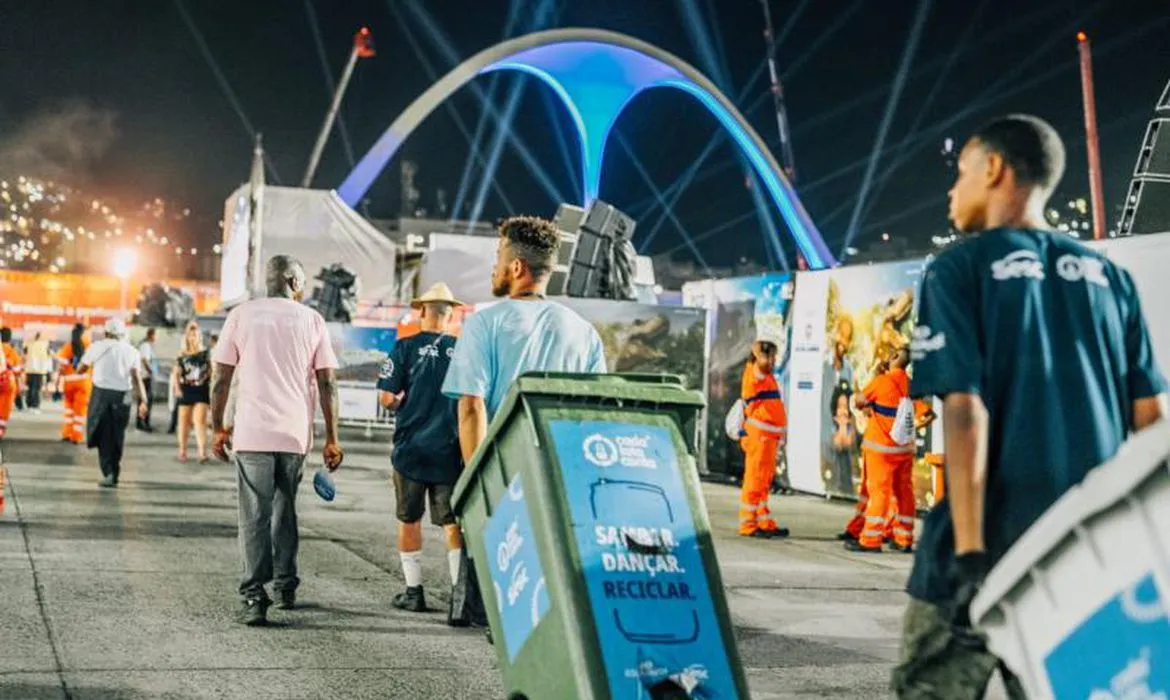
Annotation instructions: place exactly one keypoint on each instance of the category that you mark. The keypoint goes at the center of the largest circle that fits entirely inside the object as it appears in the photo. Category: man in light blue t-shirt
(522, 333)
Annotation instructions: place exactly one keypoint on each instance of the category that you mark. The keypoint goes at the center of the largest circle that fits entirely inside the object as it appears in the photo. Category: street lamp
(125, 260)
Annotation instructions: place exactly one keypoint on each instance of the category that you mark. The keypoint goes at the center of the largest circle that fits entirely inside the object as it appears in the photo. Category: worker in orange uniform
(765, 429)
(924, 415)
(889, 463)
(77, 386)
(10, 386)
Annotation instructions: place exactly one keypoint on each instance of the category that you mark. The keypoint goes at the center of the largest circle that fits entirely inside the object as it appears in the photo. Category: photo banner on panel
(644, 338)
(865, 314)
(741, 310)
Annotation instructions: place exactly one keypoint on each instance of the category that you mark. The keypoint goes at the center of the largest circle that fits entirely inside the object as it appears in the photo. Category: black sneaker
(286, 600)
(108, 482)
(255, 612)
(908, 549)
(411, 600)
(846, 536)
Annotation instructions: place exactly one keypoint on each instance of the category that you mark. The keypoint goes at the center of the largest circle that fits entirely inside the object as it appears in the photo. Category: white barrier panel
(804, 382)
(1147, 258)
(359, 401)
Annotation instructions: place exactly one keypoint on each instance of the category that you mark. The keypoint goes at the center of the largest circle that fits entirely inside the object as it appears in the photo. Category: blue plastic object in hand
(324, 485)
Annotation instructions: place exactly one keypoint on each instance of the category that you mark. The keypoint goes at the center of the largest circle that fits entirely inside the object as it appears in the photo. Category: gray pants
(268, 520)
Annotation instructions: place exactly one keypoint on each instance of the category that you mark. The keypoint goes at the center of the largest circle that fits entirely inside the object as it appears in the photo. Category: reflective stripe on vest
(887, 449)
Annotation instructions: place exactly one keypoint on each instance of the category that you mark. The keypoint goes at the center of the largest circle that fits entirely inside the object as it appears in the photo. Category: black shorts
(412, 497)
(192, 395)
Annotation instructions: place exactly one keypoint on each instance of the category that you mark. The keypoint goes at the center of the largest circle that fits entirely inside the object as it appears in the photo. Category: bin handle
(641, 548)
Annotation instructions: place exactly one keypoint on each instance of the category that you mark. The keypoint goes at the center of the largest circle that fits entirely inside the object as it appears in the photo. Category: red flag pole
(1095, 188)
(363, 47)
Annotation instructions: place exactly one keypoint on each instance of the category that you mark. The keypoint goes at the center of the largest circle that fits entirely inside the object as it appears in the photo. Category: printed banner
(866, 313)
(645, 338)
(739, 311)
(516, 571)
(640, 558)
(66, 299)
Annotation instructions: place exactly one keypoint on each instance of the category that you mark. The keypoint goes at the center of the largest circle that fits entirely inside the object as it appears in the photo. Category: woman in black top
(191, 380)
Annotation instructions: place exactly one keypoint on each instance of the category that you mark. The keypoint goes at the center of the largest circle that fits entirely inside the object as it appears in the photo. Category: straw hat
(439, 293)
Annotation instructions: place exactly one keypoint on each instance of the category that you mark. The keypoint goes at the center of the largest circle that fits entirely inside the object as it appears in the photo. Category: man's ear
(516, 267)
(995, 169)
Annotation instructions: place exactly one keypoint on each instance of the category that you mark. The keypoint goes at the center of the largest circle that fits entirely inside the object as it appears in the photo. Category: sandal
(183, 457)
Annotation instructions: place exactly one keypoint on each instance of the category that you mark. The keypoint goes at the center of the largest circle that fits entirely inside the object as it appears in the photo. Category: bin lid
(659, 389)
(1104, 487)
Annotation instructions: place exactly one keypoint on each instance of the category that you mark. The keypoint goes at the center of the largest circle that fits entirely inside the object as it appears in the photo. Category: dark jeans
(107, 420)
(36, 382)
(268, 520)
(140, 422)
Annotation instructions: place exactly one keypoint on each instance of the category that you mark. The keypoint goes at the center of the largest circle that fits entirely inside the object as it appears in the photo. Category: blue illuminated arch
(596, 73)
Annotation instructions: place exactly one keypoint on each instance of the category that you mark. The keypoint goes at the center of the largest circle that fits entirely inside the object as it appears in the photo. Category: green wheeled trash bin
(585, 520)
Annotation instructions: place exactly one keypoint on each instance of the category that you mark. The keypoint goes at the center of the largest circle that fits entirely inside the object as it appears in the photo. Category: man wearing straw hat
(426, 453)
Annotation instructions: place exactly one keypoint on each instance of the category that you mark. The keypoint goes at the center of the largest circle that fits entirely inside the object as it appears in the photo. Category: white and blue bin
(1080, 606)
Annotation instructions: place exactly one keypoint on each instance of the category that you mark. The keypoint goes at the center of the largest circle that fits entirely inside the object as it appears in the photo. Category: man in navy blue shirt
(426, 456)
(1038, 349)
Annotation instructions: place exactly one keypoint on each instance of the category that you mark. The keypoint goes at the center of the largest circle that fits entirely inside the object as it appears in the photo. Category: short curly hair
(533, 240)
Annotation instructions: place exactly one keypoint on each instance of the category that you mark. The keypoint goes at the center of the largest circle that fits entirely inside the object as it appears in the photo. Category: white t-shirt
(112, 361)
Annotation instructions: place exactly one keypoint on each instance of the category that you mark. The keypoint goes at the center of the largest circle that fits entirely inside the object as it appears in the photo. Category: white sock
(453, 558)
(411, 568)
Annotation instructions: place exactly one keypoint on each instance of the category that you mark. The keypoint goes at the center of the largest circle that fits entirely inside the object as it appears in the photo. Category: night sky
(178, 135)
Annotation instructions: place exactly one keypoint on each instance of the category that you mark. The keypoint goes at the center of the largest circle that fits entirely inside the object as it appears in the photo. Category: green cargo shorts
(934, 665)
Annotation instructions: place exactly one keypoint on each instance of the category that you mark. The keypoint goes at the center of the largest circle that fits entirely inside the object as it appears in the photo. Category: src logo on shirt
(450, 353)
(387, 369)
(1020, 264)
(925, 341)
(1074, 268)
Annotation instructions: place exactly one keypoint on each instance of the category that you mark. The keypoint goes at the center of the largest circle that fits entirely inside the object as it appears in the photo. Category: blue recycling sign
(1121, 651)
(517, 575)
(640, 557)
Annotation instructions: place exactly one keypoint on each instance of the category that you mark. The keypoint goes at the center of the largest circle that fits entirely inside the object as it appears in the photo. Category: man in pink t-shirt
(282, 351)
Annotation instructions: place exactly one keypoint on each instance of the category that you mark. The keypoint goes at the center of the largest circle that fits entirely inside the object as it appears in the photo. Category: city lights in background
(49, 227)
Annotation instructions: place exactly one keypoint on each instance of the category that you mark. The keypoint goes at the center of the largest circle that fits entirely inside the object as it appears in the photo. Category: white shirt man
(117, 369)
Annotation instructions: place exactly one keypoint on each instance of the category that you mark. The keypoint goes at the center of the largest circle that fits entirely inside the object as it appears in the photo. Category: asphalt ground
(130, 593)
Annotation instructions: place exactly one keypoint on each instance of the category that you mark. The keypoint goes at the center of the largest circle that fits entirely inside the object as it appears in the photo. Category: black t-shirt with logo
(195, 369)
(426, 432)
(1050, 334)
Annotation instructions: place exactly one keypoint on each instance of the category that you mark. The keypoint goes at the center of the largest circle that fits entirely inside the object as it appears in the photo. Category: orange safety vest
(69, 363)
(12, 359)
(884, 392)
(763, 409)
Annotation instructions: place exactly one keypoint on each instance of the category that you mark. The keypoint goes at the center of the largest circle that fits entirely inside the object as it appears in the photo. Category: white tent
(315, 227)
